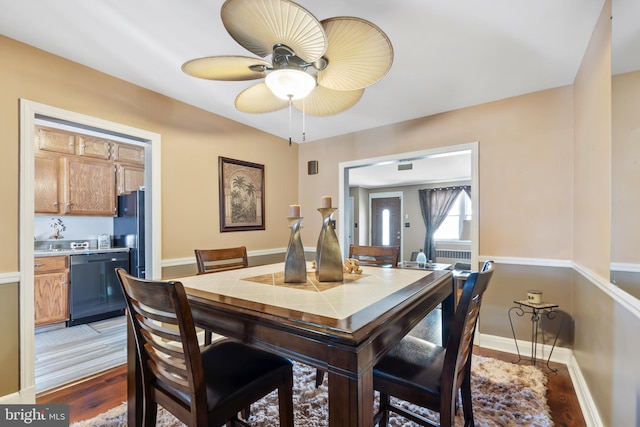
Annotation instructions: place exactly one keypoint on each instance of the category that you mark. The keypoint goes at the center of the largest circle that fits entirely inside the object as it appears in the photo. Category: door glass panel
(385, 228)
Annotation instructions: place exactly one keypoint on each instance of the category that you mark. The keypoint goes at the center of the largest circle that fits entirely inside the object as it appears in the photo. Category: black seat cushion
(232, 368)
(412, 368)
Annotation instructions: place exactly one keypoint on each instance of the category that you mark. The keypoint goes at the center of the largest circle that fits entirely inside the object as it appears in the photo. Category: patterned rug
(504, 395)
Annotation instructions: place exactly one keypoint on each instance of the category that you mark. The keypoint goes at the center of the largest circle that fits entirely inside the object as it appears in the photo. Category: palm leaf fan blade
(359, 54)
(259, 25)
(327, 102)
(259, 99)
(225, 68)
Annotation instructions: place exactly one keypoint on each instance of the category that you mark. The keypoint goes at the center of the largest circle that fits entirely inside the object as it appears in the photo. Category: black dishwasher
(94, 291)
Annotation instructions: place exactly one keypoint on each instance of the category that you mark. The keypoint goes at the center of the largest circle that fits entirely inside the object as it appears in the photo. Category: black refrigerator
(128, 230)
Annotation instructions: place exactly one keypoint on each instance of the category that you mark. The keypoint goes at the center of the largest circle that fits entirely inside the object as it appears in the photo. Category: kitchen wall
(77, 228)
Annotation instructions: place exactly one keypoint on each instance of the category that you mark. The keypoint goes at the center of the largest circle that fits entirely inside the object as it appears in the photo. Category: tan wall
(192, 140)
(605, 346)
(525, 209)
(592, 153)
(9, 350)
(625, 171)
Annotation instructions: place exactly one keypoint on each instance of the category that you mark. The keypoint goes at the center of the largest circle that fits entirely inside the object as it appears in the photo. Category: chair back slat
(211, 260)
(165, 336)
(378, 256)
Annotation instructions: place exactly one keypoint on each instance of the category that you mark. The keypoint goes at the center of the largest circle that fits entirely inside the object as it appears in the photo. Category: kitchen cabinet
(46, 184)
(55, 141)
(127, 153)
(97, 148)
(51, 289)
(129, 178)
(77, 174)
(89, 187)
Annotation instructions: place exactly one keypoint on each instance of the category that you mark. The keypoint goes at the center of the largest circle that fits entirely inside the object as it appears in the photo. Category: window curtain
(435, 204)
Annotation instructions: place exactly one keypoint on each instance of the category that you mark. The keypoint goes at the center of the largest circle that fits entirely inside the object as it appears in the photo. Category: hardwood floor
(561, 396)
(97, 394)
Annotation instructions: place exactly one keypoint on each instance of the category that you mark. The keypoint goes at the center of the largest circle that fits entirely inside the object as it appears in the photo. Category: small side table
(536, 311)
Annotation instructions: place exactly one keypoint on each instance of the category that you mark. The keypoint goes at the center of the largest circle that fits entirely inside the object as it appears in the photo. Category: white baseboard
(560, 355)
(588, 406)
(26, 396)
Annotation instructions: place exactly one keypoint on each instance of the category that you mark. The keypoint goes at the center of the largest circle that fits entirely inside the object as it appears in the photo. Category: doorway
(440, 159)
(386, 217)
(29, 112)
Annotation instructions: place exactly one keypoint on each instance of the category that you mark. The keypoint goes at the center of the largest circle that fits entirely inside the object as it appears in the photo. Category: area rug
(504, 394)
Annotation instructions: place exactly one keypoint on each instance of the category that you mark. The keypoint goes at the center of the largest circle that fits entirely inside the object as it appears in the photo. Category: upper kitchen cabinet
(89, 187)
(126, 153)
(129, 178)
(55, 141)
(129, 166)
(78, 174)
(97, 148)
(46, 184)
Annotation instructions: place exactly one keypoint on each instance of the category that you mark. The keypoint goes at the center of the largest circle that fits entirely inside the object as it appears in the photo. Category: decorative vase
(295, 266)
(328, 255)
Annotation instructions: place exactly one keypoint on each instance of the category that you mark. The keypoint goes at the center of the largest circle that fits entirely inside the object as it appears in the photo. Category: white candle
(325, 202)
(294, 211)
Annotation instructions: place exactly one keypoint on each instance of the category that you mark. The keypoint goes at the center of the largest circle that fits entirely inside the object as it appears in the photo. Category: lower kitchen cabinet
(51, 289)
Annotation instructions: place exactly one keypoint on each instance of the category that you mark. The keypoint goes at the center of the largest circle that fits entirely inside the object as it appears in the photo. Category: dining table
(343, 327)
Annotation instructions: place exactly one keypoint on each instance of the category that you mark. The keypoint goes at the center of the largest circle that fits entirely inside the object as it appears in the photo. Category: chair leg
(385, 401)
(246, 413)
(150, 414)
(467, 406)
(285, 402)
(207, 337)
(319, 377)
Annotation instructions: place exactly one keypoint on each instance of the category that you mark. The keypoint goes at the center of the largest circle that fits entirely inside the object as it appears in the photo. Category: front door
(386, 221)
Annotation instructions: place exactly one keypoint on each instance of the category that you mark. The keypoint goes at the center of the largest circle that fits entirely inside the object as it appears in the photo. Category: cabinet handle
(55, 203)
(63, 283)
(37, 265)
(71, 144)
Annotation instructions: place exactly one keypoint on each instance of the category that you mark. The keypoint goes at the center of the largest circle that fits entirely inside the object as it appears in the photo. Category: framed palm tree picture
(241, 195)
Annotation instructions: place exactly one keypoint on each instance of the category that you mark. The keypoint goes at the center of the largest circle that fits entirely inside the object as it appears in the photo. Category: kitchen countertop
(58, 252)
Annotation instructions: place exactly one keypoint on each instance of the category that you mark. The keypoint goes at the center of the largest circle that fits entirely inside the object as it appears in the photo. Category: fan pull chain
(290, 103)
(304, 133)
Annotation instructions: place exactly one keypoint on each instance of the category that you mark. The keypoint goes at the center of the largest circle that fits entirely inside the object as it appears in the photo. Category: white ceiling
(447, 54)
(439, 168)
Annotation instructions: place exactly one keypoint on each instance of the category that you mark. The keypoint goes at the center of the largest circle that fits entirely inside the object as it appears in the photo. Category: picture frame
(241, 194)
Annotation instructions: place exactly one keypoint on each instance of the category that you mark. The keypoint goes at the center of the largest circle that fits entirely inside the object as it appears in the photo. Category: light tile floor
(66, 355)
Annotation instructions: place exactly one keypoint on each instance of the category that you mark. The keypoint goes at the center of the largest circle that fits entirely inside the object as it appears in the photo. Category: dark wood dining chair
(200, 387)
(211, 260)
(215, 260)
(429, 375)
(378, 256)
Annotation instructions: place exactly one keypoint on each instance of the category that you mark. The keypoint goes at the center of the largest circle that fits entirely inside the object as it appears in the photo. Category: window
(452, 227)
(385, 227)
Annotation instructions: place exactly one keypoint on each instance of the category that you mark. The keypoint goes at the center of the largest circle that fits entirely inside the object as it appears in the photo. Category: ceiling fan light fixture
(290, 83)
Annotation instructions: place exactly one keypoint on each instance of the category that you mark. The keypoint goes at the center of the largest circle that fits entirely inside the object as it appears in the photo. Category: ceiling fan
(321, 67)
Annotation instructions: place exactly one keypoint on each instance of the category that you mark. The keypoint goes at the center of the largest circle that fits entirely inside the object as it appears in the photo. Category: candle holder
(295, 266)
(328, 255)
